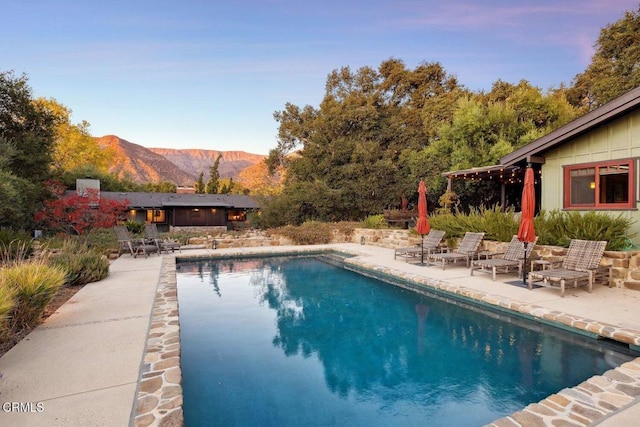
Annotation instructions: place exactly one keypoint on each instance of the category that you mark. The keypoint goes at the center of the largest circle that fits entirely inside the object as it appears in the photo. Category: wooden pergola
(496, 173)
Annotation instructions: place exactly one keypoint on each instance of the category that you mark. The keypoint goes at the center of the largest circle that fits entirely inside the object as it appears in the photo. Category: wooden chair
(135, 247)
(151, 236)
(511, 259)
(431, 243)
(466, 250)
(579, 267)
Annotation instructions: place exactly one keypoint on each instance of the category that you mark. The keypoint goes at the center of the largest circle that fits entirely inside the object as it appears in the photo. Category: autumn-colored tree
(80, 213)
(74, 146)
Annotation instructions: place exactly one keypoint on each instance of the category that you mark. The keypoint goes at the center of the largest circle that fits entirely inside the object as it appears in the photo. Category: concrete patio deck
(82, 366)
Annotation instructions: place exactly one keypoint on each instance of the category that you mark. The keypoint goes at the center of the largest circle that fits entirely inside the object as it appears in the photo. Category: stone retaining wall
(625, 266)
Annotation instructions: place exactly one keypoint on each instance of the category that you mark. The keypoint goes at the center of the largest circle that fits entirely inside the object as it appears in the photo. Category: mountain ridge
(179, 166)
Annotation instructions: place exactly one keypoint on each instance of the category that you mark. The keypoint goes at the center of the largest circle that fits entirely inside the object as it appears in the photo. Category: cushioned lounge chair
(579, 267)
(135, 247)
(431, 243)
(466, 251)
(164, 245)
(512, 259)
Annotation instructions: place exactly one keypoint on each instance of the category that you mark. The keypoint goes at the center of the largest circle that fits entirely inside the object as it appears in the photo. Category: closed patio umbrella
(422, 226)
(526, 230)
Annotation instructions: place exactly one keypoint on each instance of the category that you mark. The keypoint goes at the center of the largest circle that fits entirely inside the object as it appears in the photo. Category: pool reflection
(380, 342)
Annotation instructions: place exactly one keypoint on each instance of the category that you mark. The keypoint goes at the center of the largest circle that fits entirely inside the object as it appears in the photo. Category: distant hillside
(196, 161)
(181, 167)
(143, 165)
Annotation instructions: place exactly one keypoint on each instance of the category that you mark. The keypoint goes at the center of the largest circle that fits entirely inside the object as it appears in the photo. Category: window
(605, 185)
(236, 215)
(156, 215)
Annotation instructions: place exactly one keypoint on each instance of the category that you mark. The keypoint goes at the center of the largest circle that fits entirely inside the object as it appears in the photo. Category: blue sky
(210, 74)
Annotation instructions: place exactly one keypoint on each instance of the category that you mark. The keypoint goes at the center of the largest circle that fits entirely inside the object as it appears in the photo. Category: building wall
(618, 140)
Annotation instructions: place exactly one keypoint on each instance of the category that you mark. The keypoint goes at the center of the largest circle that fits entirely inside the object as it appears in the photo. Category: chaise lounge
(135, 247)
(151, 235)
(430, 244)
(466, 250)
(579, 267)
(510, 260)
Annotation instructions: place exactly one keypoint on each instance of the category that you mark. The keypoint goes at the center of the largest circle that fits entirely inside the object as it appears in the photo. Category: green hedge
(552, 227)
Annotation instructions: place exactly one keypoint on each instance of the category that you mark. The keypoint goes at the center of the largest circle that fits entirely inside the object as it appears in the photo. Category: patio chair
(164, 245)
(466, 250)
(511, 259)
(431, 243)
(135, 247)
(579, 266)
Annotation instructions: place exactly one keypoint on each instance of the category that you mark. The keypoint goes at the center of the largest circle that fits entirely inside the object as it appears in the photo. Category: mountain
(231, 162)
(180, 167)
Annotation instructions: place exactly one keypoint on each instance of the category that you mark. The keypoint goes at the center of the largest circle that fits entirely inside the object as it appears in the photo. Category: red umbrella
(422, 226)
(526, 231)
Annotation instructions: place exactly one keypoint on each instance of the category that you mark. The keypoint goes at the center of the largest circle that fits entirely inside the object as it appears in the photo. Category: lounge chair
(135, 247)
(511, 259)
(579, 266)
(164, 245)
(466, 250)
(431, 243)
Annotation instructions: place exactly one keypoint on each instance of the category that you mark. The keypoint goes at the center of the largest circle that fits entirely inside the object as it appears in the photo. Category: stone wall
(625, 266)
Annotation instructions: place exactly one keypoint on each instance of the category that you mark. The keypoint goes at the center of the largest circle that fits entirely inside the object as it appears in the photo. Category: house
(591, 163)
(175, 211)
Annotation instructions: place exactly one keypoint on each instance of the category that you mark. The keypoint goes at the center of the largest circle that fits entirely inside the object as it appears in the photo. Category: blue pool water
(299, 342)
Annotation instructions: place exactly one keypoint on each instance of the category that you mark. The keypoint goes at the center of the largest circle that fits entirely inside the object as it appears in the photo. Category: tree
(486, 127)
(199, 185)
(159, 187)
(348, 149)
(74, 146)
(213, 184)
(27, 133)
(615, 66)
(80, 213)
(28, 125)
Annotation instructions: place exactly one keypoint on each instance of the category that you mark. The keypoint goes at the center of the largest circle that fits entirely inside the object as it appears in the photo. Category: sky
(209, 74)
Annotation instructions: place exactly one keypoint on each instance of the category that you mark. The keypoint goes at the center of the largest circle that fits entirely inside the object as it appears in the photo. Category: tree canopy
(27, 135)
(377, 132)
(348, 150)
(615, 66)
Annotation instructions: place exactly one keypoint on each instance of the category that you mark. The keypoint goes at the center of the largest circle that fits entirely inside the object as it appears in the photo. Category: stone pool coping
(159, 397)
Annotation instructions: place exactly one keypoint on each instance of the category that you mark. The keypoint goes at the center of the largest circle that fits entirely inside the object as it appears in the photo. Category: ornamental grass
(33, 284)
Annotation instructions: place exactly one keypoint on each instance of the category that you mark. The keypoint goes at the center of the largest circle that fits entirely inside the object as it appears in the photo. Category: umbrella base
(519, 284)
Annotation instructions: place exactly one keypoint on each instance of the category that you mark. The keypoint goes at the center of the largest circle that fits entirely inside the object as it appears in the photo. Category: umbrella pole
(422, 249)
(524, 267)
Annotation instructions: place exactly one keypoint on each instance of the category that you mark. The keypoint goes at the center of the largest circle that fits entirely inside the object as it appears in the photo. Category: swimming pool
(295, 341)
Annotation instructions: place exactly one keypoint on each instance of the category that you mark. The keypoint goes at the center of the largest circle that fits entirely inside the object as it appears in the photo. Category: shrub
(15, 246)
(309, 233)
(375, 222)
(34, 284)
(345, 227)
(82, 264)
(6, 305)
(102, 240)
(558, 228)
(552, 228)
(135, 227)
(496, 224)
